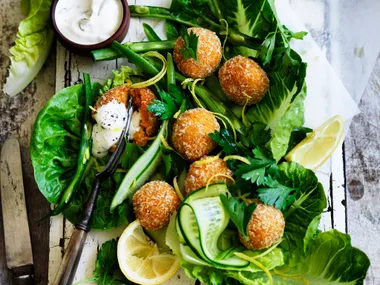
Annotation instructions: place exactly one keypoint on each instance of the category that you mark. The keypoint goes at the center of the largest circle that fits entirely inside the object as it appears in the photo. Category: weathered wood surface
(362, 148)
(15, 217)
(17, 115)
(345, 34)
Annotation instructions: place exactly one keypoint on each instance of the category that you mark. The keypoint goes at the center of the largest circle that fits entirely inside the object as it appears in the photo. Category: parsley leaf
(164, 109)
(277, 195)
(239, 212)
(225, 139)
(191, 44)
(107, 271)
(169, 104)
(256, 170)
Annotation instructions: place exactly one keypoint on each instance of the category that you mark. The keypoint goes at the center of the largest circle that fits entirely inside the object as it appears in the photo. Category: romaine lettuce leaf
(54, 150)
(281, 110)
(310, 202)
(34, 39)
(253, 18)
(329, 259)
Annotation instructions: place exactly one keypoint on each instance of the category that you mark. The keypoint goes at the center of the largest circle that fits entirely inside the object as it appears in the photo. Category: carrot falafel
(200, 173)
(191, 133)
(153, 204)
(209, 54)
(243, 80)
(265, 227)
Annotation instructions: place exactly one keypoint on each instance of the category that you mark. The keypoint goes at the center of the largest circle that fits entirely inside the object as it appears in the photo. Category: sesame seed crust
(199, 174)
(265, 227)
(209, 54)
(243, 79)
(153, 204)
(191, 133)
(142, 98)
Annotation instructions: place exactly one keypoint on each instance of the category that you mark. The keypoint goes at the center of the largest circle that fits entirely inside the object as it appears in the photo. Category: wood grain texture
(17, 115)
(362, 148)
(16, 227)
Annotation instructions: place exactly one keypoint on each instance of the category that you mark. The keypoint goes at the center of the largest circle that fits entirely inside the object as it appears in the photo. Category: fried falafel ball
(191, 133)
(209, 54)
(118, 94)
(243, 80)
(154, 203)
(265, 227)
(200, 173)
(144, 123)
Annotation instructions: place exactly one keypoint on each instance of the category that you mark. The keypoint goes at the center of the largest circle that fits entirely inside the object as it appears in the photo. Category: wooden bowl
(81, 49)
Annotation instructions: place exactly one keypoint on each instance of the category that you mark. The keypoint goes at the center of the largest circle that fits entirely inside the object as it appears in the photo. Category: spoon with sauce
(85, 25)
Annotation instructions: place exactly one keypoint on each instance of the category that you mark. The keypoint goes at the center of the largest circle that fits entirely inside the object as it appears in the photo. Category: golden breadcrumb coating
(142, 98)
(209, 54)
(243, 79)
(118, 94)
(199, 174)
(265, 228)
(191, 133)
(153, 204)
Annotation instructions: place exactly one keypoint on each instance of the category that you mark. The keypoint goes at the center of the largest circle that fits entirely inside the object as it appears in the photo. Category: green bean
(234, 36)
(150, 33)
(171, 70)
(84, 150)
(215, 105)
(111, 53)
(212, 83)
(136, 59)
(143, 63)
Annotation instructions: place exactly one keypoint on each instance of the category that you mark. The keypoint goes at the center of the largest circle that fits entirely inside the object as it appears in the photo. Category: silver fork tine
(113, 162)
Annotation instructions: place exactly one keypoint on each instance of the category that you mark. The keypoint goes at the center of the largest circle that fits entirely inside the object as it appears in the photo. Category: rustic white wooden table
(347, 33)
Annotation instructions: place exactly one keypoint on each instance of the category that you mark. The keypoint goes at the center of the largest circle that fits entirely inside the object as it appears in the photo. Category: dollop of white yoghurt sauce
(88, 22)
(110, 120)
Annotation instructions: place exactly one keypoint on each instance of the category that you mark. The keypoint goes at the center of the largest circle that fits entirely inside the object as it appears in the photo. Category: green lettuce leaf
(329, 259)
(309, 203)
(119, 78)
(253, 18)
(34, 39)
(281, 110)
(54, 150)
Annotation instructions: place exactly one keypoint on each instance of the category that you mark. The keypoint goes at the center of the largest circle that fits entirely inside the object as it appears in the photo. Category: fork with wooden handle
(69, 264)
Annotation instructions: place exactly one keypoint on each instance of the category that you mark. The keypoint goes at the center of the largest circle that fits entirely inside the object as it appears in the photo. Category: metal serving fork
(69, 264)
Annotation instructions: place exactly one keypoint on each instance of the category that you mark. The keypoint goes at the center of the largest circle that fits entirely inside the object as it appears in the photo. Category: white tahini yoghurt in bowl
(88, 22)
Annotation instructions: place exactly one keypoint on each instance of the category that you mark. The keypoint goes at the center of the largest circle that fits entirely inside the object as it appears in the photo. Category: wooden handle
(69, 264)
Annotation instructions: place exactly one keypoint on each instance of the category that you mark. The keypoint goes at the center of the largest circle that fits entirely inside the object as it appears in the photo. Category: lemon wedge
(140, 260)
(318, 146)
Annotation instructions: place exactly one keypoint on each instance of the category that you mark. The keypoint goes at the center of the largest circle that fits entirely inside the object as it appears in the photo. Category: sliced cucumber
(189, 256)
(211, 191)
(140, 171)
(202, 222)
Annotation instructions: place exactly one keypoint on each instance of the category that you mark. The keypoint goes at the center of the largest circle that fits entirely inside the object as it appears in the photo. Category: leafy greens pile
(256, 140)
(54, 151)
